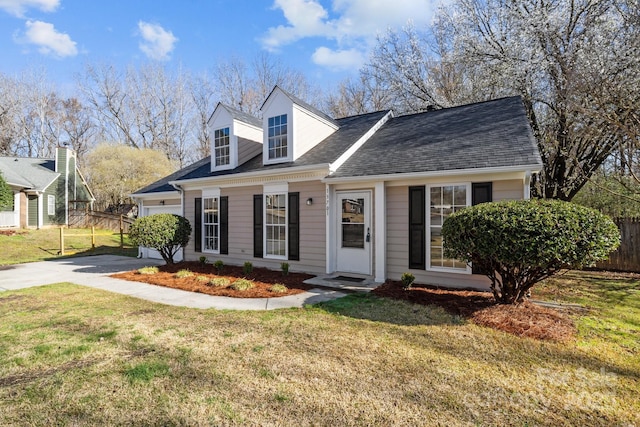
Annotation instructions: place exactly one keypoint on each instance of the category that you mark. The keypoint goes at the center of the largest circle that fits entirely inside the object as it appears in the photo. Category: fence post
(61, 241)
(121, 233)
(93, 237)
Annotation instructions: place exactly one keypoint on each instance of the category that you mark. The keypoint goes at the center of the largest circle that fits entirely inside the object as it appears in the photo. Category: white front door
(354, 237)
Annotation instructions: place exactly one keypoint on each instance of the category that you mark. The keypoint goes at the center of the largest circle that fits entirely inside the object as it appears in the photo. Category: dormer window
(278, 145)
(221, 146)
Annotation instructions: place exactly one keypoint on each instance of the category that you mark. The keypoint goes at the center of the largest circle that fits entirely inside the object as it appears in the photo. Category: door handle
(368, 239)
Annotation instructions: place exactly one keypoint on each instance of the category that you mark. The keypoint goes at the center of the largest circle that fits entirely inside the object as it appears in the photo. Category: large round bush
(518, 243)
(166, 233)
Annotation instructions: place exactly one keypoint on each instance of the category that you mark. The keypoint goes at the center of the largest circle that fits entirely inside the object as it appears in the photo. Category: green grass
(71, 355)
(44, 244)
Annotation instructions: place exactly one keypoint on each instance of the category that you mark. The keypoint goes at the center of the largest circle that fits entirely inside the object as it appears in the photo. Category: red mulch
(526, 320)
(7, 232)
(263, 279)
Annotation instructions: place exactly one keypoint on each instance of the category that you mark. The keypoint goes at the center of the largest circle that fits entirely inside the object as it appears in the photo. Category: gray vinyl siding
(312, 228)
(248, 149)
(398, 237)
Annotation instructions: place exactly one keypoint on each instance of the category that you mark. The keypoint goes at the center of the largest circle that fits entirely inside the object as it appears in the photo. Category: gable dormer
(291, 127)
(235, 137)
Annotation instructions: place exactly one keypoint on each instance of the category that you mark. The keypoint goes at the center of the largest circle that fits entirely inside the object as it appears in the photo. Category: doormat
(347, 279)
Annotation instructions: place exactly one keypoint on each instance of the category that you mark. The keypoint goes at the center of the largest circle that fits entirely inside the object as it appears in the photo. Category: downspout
(527, 185)
(179, 188)
(140, 210)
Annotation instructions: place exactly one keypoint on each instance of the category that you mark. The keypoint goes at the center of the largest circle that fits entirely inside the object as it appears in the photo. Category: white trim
(51, 200)
(275, 188)
(157, 196)
(211, 193)
(265, 194)
(428, 187)
(443, 173)
(359, 143)
(39, 221)
(337, 219)
(330, 230)
(380, 232)
(234, 178)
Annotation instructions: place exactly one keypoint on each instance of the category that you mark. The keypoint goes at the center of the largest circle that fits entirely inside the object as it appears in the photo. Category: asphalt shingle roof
(29, 173)
(482, 135)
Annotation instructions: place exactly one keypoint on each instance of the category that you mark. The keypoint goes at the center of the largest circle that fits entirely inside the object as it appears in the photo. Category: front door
(354, 237)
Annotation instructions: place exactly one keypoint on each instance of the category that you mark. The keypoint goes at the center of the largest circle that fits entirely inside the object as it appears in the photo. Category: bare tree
(552, 53)
(245, 87)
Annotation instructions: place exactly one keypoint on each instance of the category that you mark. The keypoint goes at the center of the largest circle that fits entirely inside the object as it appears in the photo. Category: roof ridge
(486, 101)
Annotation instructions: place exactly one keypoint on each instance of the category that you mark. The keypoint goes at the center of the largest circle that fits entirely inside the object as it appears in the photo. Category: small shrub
(219, 282)
(407, 280)
(285, 268)
(218, 265)
(242, 285)
(278, 288)
(167, 233)
(183, 274)
(148, 270)
(247, 268)
(202, 279)
(202, 259)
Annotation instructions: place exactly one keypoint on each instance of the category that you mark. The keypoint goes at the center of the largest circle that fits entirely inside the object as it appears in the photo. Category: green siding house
(45, 190)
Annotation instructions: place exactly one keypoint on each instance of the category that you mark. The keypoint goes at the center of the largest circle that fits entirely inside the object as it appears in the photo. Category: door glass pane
(353, 223)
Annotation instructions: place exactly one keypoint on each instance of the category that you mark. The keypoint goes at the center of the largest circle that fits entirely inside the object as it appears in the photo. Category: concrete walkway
(94, 271)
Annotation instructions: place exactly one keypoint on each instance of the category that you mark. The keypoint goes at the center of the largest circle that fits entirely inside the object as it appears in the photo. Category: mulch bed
(525, 320)
(263, 279)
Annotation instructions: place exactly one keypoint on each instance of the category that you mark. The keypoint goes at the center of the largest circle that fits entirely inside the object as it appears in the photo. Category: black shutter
(417, 228)
(481, 192)
(197, 226)
(224, 225)
(294, 226)
(257, 226)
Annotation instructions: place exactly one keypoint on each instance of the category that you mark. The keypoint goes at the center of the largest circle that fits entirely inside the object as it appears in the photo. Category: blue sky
(326, 39)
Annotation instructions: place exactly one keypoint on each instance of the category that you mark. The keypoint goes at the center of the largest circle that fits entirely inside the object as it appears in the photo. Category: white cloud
(355, 21)
(351, 25)
(157, 43)
(19, 7)
(338, 60)
(49, 40)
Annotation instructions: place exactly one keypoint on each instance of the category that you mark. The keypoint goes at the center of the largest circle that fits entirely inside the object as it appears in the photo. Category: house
(364, 195)
(45, 190)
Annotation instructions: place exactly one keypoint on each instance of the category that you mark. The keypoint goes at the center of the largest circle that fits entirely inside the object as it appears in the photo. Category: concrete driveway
(94, 271)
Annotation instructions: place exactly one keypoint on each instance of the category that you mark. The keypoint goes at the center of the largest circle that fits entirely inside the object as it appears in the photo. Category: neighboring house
(44, 190)
(363, 195)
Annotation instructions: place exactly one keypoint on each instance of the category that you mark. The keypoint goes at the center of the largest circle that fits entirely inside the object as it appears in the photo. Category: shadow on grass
(370, 307)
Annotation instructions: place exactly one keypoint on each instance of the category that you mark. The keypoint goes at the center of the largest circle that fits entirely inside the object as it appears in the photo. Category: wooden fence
(627, 257)
(106, 221)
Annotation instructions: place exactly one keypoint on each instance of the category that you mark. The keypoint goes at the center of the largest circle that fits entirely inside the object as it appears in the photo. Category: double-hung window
(444, 200)
(276, 225)
(51, 205)
(277, 137)
(211, 224)
(221, 147)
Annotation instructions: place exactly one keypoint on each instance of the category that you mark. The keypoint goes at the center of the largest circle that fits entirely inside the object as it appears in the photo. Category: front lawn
(71, 355)
(19, 246)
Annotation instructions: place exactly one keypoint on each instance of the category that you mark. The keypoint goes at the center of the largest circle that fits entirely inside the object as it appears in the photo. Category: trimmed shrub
(166, 233)
(219, 266)
(202, 278)
(203, 260)
(247, 268)
(518, 243)
(407, 280)
(285, 268)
